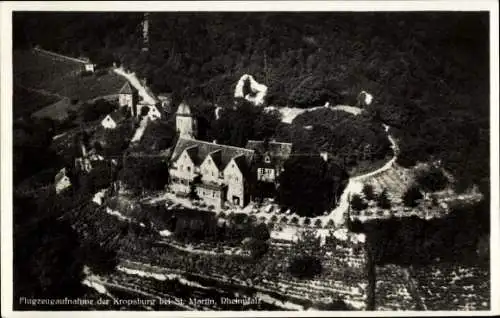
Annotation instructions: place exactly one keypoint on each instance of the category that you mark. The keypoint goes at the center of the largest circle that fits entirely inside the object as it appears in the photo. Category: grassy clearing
(64, 78)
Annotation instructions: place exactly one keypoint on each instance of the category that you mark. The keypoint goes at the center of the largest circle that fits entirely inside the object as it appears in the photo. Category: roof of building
(222, 154)
(240, 161)
(126, 89)
(61, 174)
(278, 152)
(183, 109)
(117, 116)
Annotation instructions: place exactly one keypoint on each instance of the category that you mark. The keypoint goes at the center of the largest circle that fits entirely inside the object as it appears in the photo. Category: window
(189, 169)
(267, 159)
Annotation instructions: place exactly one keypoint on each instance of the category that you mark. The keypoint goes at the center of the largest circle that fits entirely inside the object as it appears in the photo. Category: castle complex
(218, 173)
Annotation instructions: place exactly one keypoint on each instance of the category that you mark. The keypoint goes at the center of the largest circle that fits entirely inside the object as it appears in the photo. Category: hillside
(59, 81)
(428, 72)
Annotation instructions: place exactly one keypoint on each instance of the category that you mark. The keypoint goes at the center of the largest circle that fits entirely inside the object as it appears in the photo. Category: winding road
(355, 184)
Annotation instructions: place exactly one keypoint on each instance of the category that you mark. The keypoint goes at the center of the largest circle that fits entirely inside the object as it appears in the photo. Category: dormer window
(267, 159)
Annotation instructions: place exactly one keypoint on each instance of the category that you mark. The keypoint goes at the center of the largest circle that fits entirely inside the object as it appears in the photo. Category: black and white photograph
(261, 157)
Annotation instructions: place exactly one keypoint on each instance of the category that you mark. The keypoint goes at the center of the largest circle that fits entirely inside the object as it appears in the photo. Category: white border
(6, 129)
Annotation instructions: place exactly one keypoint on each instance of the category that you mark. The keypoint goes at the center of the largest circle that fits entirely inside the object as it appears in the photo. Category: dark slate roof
(117, 116)
(278, 152)
(242, 165)
(198, 150)
(183, 109)
(217, 158)
(126, 89)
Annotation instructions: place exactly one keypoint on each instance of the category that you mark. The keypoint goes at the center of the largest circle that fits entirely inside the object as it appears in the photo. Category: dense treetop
(428, 72)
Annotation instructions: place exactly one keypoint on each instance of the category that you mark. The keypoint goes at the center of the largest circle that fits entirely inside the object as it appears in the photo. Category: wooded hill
(428, 72)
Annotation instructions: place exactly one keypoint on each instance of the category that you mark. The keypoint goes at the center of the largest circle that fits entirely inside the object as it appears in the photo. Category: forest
(428, 72)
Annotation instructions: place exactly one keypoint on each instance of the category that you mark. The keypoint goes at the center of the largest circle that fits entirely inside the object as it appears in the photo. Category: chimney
(214, 141)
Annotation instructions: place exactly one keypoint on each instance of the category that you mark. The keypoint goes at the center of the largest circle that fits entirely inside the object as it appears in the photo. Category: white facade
(266, 174)
(233, 177)
(108, 122)
(89, 67)
(64, 183)
(210, 172)
(126, 100)
(182, 172)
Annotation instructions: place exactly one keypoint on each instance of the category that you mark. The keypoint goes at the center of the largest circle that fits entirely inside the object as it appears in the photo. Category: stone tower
(185, 122)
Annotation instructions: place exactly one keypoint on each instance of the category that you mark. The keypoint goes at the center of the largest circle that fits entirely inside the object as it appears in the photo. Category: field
(27, 101)
(62, 79)
(450, 286)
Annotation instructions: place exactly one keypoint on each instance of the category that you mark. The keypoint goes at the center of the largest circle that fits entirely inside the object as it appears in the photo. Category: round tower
(185, 122)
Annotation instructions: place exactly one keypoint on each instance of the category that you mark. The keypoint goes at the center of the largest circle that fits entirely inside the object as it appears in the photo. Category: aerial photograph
(251, 161)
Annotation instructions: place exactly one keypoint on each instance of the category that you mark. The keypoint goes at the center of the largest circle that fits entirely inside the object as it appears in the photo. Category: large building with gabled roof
(216, 173)
(270, 158)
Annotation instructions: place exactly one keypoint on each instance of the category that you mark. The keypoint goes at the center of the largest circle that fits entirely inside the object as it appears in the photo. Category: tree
(261, 232)
(431, 180)
(357, 203)
(193, 195)
(313, 195)
(257, 248)
(47, 263)
(368, 192)
(305, 267)
(383, 200)
(412, 196)
(307, 252)
(144, 111)
(317, 223)
(116, 141)
(307, 221)
(145, 173)
(158, 135)
(97, 109)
